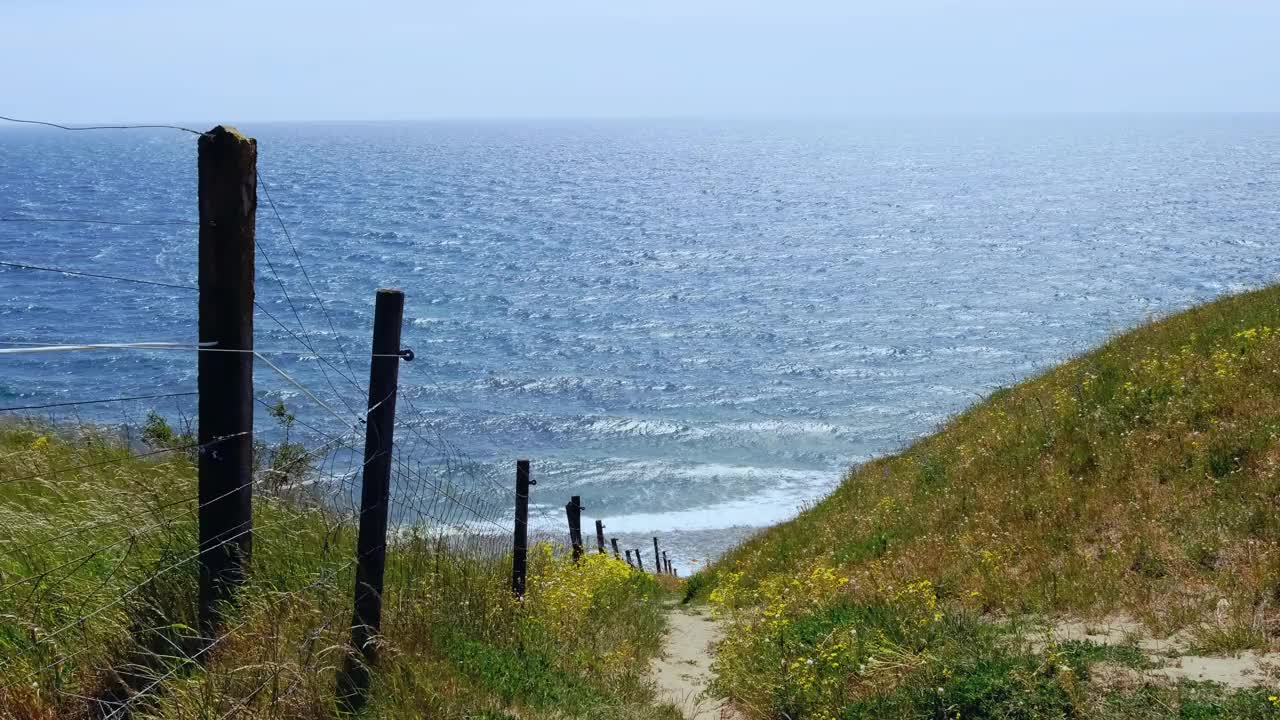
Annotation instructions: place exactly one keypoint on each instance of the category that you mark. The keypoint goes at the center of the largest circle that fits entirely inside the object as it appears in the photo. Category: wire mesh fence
(102, 561)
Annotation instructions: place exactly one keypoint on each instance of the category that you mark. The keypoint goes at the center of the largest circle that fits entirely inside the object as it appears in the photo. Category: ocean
(697, 326)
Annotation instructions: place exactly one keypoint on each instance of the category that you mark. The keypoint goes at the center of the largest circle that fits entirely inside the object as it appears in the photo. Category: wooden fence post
(375, 498)
(629, 559)
(600, 536)
(639, 560)
(657, 558)
(227, 168)
(666, 564)
(520, 551)
(573, 511)
(614, 542)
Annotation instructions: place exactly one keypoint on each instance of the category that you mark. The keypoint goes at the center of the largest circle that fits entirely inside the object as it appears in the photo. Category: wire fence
(101, 508)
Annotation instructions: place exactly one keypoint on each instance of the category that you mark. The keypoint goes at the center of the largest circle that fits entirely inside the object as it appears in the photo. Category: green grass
(100, 586)
(1083, 654)
(1138, 480)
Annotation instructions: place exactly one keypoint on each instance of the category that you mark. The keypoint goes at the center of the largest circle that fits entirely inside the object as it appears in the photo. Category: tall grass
(1140, 479)
(98, 607)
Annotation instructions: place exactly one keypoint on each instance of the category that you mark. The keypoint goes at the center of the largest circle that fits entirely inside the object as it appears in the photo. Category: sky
(175, 60)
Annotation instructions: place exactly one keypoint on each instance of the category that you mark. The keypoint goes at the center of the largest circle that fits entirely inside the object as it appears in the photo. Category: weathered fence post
(629, 559)
(666, 564)
(639, 560)
(520, 551)
(657, 559)
(375, 498)
(227, 167)
(600, 536)
(573, 511)
(614, 542)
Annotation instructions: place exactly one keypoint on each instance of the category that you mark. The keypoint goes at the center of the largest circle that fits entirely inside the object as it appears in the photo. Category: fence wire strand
(439, 496)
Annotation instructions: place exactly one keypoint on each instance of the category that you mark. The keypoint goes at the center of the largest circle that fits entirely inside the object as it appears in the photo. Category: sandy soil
(684, 670)
(1172, 654)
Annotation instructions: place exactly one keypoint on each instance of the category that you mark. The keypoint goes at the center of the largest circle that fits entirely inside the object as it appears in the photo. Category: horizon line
(729, 116)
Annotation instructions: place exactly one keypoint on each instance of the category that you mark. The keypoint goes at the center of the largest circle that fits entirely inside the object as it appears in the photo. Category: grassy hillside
(97, 588)
(1140, 480)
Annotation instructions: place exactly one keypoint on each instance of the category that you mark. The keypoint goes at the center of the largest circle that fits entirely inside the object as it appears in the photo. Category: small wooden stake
(520, 549)
(375, 500)
(573, 510)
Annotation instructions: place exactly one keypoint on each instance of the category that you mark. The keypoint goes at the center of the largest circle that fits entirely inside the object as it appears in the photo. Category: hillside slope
(1138, 482)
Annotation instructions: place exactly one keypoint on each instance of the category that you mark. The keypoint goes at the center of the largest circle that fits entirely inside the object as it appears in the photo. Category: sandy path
(684, 670)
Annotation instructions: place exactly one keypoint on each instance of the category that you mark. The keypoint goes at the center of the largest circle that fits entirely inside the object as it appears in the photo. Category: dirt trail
(684, 670)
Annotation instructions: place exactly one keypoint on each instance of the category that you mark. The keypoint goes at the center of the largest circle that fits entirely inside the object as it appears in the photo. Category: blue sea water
(694, 325)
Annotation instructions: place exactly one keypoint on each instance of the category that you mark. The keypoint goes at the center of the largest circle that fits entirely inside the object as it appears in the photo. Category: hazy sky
(85, 60)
